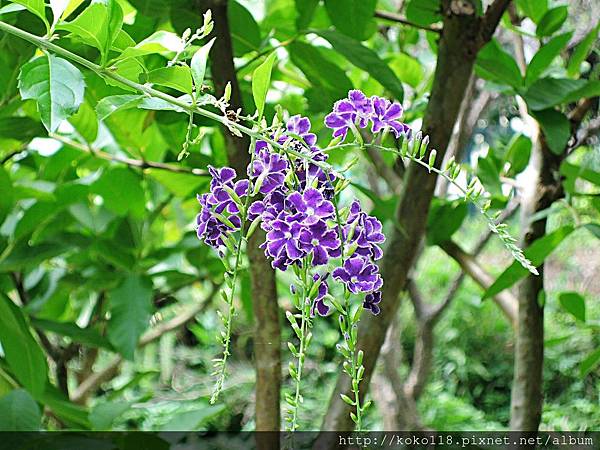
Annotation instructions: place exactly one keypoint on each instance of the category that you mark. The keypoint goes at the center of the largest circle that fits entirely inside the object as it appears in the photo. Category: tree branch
(397, 18)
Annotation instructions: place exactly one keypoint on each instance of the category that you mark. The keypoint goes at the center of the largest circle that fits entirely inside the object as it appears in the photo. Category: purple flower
(268, 208)
(319, 306)
(321, 241)
(301, 126)
(220, 177)
(372, 301)
(359, 275)
(282, 243)
(269, 169)
(387, 114)
(367, 232)
(357, 109)
(310, 206)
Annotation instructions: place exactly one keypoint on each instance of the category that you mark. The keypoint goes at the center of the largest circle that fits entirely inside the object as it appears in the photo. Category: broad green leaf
(408, 69)
(103, 415)
(518, 153)
(593, 228)
(305, 11)
(175, 77)
(556, 129)
(192, 420)
(198, 64)
(114, 23)
(495, 64)
(56, 85)
(365, 59)
(536, 253)
(582, 51)
(572, 172)
(130, 308)
(353, 17)
(552, 20)
(122, 191)
(88, 336)
(20, 128)
(159, 42)
(7, 197)
(445, 218)
(328, 80)
(25, 255)
(37, 7)
(424, 12)
(111, 104)
(19, 412)
(90, 26)
(488, 171)
(85, 122)
(589, 362)
(574, 304)
(534, 9)
(590, 89)
(544, 57)
(70, 9)
(71, 414)
(180, 184)
(548, 92)
(261, 80)
(22, 352)
(244, 30)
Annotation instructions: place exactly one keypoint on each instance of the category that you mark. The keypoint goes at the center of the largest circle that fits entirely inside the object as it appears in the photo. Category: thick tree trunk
(462, 36)
(267, 338)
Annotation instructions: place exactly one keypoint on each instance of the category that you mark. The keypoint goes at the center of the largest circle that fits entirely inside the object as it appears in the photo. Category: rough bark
(267, 338)
(462, 36)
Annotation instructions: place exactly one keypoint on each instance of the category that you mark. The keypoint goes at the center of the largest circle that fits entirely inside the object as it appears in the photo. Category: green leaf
(488, 171)
(305, 10)
(445, 218)
(353, 17)
(22, 129)
(85, 122)
(518, 153)
(22, 352)
(37, 7)
(73, 415)
(589, 363)
(130, 308)
(424, 12)
(111, 104)
(180, 184)
(159, 42)
(574, 304)
(198, 64)
(556, 129)
(245, 32)
(90, 26)
(593, 228)
(365, 59)
(192, 420)
(495, 64)
(175, 77)
(56, 85)
(328, 80)
(408, 69)
(552, 20)
(122, 191)
(20, 412)
(536, 253)
(88, 336)
(7, 197)
(582, 51)
(572, 172)
(544, 57)
(261, 79)
(534, 9)
(103, 415)
(548, 92)
(25, 255)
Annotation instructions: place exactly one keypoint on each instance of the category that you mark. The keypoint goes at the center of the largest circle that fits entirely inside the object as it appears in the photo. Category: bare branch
(394, 17)
(492, 17)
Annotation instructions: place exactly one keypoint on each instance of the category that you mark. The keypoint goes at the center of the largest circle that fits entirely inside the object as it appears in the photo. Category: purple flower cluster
(358, 110)
(219, 216)
(295, 206)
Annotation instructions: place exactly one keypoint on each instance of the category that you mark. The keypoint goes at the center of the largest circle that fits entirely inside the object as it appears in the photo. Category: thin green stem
(221, 365)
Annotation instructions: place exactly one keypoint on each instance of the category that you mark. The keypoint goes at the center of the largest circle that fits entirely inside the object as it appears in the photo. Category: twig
(125, 160)
(394, 17)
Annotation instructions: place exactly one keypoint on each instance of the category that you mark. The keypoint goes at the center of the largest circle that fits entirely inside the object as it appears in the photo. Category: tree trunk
(267, 337)
(462, 36)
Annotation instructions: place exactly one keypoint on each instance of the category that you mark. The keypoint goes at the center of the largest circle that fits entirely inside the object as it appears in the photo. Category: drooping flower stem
(302, 302)
(349, 330)
(231, 275)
